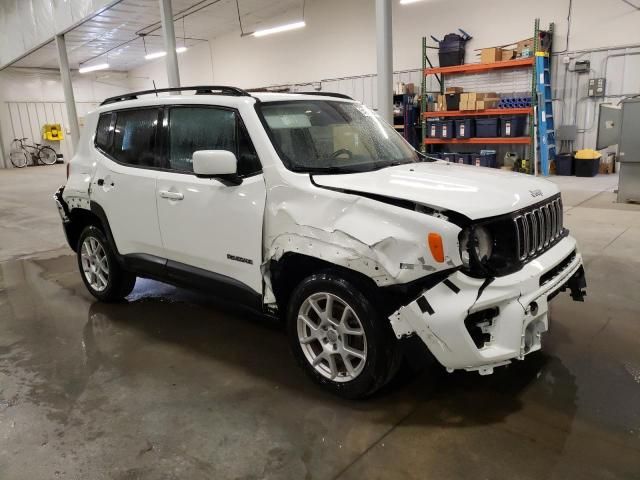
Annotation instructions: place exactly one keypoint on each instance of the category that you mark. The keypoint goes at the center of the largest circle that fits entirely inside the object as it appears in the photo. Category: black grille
(538, 228)
(555, 271)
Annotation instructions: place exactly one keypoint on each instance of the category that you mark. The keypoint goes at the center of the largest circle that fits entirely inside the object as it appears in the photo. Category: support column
(67, 87)
(171, 58)
(4, 162)
(384, 50)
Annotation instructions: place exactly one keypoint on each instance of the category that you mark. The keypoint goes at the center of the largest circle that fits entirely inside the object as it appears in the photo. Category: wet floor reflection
(173, 384)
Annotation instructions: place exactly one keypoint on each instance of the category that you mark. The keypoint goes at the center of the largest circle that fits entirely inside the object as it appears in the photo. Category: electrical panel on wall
(596, 87)
(583, 66)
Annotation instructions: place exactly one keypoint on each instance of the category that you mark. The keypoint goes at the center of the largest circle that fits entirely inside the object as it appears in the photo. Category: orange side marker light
(436, 247)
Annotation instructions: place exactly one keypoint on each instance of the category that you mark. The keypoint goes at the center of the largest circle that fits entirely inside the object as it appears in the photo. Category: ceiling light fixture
(151, 56)
(93, 68)
(407, 2)
(281, 28)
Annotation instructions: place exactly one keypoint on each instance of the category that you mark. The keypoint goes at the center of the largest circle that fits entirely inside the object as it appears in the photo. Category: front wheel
(338, 336)
(47, 155)
(102, 275)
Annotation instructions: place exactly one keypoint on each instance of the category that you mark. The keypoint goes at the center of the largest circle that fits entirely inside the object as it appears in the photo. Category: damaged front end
(478, 324)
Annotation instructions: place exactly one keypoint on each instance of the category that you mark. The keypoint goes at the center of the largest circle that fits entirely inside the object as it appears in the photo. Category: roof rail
(325, 94)
(200, 90)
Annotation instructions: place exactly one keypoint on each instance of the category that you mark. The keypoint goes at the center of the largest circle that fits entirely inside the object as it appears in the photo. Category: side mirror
(220, 164)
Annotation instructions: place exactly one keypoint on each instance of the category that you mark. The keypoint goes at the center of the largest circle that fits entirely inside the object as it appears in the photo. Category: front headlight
(475, 240)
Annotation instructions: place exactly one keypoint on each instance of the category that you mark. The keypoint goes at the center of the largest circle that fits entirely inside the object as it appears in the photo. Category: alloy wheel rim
(332, 337)
(95, 264)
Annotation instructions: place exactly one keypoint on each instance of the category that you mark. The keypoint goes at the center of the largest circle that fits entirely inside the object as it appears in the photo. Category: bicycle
(21, 151)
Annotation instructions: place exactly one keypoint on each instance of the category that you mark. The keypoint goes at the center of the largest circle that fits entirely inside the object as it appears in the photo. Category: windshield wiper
(330, 170)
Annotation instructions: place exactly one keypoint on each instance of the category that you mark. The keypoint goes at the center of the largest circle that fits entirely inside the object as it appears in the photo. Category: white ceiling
(113, 34)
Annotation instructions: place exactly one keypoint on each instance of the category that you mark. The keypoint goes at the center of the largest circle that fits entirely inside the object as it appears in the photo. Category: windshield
(333, 137)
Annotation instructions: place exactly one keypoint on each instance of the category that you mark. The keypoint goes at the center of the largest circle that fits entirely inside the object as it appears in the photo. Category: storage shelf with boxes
(495, 116)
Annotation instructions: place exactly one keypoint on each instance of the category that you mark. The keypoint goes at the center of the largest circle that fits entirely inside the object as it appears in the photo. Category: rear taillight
(68, 165)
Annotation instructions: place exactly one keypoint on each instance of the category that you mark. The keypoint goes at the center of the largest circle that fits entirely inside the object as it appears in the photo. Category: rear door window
(135, 137)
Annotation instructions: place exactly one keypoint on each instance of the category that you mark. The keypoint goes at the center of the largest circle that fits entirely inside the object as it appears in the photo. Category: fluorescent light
(153, 55)
(406, 2)
(93, 68)
(282, 28)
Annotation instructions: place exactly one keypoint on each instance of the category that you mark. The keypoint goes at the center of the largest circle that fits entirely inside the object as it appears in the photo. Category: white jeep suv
(311, 208)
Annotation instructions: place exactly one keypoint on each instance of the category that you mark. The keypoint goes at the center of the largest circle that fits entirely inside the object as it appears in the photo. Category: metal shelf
(478, 113)
(481, 67)
(479, 141)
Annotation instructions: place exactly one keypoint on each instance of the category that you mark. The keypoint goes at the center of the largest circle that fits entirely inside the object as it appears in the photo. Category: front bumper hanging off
(476, 324)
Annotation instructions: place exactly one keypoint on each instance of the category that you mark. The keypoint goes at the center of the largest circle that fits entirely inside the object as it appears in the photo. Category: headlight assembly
(476, 246)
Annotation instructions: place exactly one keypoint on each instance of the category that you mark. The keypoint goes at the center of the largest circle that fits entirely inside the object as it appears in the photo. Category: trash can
(586, 163)
(564, 164)
(451, 49)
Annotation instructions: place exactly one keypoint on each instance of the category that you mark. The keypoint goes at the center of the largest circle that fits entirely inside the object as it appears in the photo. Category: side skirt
(182, 275)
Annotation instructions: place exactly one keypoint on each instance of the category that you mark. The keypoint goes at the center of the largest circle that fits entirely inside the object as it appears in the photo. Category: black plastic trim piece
(553, 272)
(215, 283)
(99, 212)
(146, 265)
(424, 305)
(180, 274)
(454, 288)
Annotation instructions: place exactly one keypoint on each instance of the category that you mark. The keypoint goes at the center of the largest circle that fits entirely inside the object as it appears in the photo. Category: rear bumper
(471, 324)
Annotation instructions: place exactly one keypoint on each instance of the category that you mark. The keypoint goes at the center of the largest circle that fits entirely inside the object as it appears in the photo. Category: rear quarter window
(103, 132)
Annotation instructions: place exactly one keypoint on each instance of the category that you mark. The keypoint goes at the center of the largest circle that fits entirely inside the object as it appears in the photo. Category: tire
(18, 159)
(312, 337)
(47, 155)
(100, 271)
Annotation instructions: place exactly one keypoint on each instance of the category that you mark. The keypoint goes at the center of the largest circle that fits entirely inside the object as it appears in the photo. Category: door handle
(171, 195)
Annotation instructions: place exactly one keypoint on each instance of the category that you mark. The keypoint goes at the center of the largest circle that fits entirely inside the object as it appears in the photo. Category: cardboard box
(508, 55)
(467, 105)
(607, 164)
(473, 97)
(526, 44)
(442, 103)
(487, 103)
(490, 55)
(453, 90)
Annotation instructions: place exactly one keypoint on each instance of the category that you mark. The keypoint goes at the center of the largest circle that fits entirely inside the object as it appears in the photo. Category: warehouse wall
(339, 39)
(338, 47)
(28, 99)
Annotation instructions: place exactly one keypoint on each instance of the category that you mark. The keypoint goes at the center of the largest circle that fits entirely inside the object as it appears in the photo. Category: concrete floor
(174, 385)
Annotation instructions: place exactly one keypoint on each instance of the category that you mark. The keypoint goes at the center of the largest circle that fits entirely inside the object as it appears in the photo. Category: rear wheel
(101, 273)
(47, 155)
(339, 338)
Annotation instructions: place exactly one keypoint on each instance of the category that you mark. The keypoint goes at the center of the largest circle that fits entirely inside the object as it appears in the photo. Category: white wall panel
(30, 99)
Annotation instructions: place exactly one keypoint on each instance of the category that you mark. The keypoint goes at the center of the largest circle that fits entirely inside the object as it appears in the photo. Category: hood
(476, 192)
